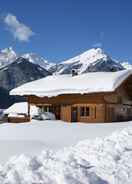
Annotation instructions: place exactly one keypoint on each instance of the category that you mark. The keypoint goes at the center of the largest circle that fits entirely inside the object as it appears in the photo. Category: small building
(91, 97)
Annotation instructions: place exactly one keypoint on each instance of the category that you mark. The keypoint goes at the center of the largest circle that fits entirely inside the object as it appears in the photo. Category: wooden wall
(67, 99)
(118, 112)
(97, 113)
(66, 113)
(107, 106)
(19, 119)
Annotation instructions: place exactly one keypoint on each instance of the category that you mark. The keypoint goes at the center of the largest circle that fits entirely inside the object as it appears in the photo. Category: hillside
(19, 72)
(15, 74)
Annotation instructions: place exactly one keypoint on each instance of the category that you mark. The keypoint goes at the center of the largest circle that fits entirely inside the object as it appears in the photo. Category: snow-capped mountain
(15, 74)
(7, 56)
(20, 72)
(126, 65)
(90, 61)
(34, 58)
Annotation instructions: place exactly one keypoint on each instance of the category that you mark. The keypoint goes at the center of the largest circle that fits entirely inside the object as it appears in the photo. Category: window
(84, 111)
(51, 109)
(46, 108)
(87, 111)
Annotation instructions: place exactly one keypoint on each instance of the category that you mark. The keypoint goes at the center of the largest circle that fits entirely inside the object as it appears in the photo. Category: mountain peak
(88, 56)
(7, 56)
(95, 51)
(92, 60)
(34, 58)
(94, 54)
(8, 51)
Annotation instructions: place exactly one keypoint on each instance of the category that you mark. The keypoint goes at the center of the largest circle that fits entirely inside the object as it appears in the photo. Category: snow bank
(66, 84)
(102, 161)
(21, 108)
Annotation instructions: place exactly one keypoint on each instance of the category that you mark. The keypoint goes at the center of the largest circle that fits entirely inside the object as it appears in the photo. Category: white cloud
(100, 41)
(19, 30)
(98, 44)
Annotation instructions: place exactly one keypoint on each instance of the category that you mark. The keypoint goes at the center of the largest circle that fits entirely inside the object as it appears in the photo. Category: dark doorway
(74, 114)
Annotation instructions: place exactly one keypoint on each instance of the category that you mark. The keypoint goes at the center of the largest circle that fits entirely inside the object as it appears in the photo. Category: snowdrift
(102, 161)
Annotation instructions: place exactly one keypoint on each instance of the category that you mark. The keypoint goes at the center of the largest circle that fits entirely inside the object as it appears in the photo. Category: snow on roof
(92, 82)
(20, 108)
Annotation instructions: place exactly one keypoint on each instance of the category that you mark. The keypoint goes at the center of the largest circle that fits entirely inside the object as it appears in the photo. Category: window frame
(84, 111)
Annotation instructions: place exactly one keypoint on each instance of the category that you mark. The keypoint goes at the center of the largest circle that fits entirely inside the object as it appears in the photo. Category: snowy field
(32, 138)
(42, 159)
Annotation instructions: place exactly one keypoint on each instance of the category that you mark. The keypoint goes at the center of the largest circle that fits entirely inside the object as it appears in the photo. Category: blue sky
(64, 28)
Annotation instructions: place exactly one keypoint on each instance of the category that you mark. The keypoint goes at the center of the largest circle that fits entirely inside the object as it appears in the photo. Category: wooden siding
(19, 119)
(127, 86)
(111, 98)
(118, 112)
(66, 113)
(67, 99)
(96, 114)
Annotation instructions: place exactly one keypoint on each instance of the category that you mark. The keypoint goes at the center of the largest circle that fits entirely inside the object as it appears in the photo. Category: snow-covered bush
(48, 116)
(45, 116)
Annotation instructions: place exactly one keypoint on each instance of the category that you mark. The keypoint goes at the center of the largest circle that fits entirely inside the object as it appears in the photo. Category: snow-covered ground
(32, 138)
(104, 160)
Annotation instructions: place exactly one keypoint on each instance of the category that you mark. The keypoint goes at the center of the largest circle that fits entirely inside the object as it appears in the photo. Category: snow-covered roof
(20, 108)
(54, 85)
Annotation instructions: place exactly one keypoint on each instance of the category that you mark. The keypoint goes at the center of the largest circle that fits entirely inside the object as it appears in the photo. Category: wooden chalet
(90, 98)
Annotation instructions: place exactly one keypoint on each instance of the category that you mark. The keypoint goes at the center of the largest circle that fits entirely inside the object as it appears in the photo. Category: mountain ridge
(8, 55)
(94, 59)
(15, 74)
